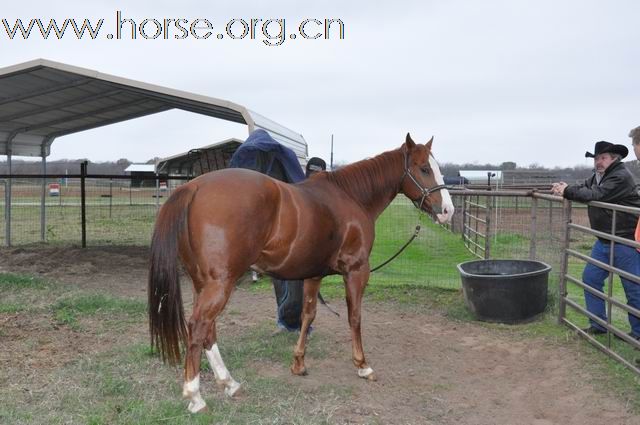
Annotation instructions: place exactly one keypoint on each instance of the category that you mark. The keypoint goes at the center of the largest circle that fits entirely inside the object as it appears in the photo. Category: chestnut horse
(224, 222)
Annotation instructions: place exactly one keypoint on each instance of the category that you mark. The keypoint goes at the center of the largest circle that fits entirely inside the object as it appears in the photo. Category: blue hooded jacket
(261, 152)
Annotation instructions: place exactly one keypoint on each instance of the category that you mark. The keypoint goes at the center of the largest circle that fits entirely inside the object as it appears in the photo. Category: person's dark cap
(606, 147)
(316, 164)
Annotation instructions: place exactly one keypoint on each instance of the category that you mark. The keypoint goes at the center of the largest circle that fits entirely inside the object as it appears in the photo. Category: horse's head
(423, 183)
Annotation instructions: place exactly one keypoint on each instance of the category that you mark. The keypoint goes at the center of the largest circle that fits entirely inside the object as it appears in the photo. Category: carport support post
(43, 199)
(83, 204)
(7, 203)
(564, 262)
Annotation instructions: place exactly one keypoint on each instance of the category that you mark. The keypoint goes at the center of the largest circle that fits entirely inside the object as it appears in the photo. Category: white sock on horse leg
(191, 390)
(220, 371)
(363, 373)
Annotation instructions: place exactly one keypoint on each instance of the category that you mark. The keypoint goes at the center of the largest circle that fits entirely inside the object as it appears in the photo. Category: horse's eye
(425, 170)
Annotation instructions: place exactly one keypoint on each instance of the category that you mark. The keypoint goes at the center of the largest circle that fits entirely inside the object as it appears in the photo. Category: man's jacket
(616, 187)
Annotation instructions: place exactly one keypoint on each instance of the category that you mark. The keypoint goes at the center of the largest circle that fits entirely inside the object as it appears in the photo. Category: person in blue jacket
(260, 152)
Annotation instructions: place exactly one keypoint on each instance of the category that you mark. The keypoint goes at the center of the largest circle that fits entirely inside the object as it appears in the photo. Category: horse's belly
(294, 269)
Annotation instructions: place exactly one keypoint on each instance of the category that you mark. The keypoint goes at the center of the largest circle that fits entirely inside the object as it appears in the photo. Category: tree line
(512, 172)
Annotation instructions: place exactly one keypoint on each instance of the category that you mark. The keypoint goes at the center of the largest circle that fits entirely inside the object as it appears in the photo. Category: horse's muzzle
(443, 215)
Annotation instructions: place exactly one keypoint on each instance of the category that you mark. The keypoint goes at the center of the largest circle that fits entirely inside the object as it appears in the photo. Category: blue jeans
(289, 294)
(625, 258)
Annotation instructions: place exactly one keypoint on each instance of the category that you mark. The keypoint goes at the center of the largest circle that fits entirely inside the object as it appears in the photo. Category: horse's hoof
(198, 406)
(299, 371)
(367, 373)
(232, 388)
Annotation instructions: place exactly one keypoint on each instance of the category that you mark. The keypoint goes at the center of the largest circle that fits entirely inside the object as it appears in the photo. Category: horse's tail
(167, 325)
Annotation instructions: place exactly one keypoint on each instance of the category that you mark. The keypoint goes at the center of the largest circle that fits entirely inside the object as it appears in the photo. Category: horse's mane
(363, 180)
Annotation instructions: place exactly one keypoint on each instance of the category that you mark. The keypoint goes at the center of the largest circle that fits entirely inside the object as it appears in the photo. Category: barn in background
(138, 172)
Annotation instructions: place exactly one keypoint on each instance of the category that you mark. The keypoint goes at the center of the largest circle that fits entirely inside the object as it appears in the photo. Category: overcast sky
(493, 81)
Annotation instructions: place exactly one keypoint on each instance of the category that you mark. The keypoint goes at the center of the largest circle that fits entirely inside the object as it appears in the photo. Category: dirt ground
(430, 370)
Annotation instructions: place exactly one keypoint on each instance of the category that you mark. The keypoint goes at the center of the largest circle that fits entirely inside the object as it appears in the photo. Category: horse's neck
(373, 183)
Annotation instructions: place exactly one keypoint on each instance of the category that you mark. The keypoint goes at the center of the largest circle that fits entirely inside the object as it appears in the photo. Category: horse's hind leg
(310, 300)
(223, 377)
(208, 305)
(355, 283)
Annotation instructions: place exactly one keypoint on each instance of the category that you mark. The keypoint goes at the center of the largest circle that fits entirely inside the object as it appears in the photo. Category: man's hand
(558, 188)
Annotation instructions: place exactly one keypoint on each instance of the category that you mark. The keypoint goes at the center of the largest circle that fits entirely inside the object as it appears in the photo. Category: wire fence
(120, 213)
(485, 225)
(117, 213)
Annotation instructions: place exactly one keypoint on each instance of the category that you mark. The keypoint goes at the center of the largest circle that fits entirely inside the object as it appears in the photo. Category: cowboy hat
(606, 147)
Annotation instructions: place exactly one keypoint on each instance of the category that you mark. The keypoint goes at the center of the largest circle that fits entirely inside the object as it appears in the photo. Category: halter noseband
(423, 191)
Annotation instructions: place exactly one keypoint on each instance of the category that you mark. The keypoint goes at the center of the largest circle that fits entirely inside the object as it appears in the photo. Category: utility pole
(331, 161)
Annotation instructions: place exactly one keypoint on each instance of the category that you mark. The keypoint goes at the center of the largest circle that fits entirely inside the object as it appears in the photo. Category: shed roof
(198, 161)
(481, 175)
(41, 100)
(144, 168)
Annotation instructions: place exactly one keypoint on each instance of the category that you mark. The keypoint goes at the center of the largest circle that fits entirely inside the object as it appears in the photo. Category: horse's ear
(409, 142)
(428, 145)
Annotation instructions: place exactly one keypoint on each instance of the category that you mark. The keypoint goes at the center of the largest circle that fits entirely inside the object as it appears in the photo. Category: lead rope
(393, 257)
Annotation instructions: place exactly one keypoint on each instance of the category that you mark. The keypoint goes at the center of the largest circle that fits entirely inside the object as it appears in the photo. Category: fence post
(564, 263)
(534, 235)
(83, 204)
(487, 238)
(452, 226)
(475, 239)
(464, 217)
(110, 196)
(157, 193)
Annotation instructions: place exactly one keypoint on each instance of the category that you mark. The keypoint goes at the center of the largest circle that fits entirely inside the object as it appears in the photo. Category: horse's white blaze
(191, 390)
(363, 373)
(447, 203)
(220, 371)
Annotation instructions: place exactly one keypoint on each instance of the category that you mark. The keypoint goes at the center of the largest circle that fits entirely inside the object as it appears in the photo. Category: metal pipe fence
(557, 232)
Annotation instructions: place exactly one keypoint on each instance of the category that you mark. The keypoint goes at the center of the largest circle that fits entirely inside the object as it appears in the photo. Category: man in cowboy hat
(635, 142)
(611, 183)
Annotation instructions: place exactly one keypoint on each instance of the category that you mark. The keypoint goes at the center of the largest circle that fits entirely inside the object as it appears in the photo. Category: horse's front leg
(310, 300)
(355, 282)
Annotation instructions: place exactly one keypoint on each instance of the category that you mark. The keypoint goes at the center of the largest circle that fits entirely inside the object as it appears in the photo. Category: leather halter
(424, 191)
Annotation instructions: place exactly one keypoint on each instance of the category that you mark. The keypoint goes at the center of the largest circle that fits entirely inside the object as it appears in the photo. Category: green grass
(111, 396)
(19, 293)
(68, 310)
(15, 282)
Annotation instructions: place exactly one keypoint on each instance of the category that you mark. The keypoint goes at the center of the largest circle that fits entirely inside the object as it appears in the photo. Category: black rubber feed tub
(506, 291)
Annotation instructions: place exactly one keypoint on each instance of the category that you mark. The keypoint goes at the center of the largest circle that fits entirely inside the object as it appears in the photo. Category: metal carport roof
(41, 100)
